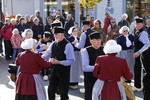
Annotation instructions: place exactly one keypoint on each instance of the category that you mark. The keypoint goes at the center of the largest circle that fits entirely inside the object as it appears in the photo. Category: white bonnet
(111, 46)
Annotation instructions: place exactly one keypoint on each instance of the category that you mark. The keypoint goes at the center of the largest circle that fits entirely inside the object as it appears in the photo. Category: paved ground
(7, 87)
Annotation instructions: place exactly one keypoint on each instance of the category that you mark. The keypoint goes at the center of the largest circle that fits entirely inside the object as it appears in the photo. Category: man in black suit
(145, 58)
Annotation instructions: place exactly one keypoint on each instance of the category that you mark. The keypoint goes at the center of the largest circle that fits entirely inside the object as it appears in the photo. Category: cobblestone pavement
(7, 87)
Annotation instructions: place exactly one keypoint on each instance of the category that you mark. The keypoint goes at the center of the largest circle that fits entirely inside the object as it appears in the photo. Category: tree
(89, 3)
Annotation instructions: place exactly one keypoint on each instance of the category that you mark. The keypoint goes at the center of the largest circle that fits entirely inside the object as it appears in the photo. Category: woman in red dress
(109, 69)
(29, 84)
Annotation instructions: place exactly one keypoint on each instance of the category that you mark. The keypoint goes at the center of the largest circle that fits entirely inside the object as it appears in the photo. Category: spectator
(132, 26)
(113, 30)
(62, 19)
(16, 41)
(69, 23)
(29, 22)
(107, 21)
(13, 22)
(124, 21)
(37, 14)
(21, 26)
(97, 27)
(78, 28)
(17, 17)
(48, 26)
(1, 38)
(37, 29)
(6, 32)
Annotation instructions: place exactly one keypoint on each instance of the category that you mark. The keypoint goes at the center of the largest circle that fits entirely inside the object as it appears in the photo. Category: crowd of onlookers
(16, 30)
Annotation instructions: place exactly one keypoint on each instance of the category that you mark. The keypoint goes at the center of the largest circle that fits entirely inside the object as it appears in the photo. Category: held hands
(74, 42)
(54, 61)
(43, 46)
(136, 54)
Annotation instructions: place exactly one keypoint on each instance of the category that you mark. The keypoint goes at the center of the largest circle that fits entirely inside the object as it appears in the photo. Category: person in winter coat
(6, 32)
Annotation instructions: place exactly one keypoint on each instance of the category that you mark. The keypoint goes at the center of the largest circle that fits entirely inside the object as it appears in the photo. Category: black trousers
(146, 89)
(137, 73)
(89, 81)
(59, 77)
(8, 48)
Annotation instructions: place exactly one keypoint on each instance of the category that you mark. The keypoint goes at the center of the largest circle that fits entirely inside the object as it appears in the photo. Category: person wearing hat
(145, 56)
(75, 70)
(125, 40)
(29, 84)
(61, 51)
(89, 55)
(42, 45)
(141, 42)
(84, 39)
(109, 69)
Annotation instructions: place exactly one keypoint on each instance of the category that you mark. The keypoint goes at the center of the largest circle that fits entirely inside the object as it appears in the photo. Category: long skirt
(108, 91)
(128, 55)
(39, 88)
(76, 68)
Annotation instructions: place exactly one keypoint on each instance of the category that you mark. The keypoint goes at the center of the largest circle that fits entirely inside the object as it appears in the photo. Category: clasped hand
(54, 61)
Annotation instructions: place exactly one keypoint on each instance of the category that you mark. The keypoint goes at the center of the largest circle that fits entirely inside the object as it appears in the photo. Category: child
(16, 41)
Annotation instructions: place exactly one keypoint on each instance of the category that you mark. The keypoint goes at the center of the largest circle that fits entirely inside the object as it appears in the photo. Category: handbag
(12, 69)
(128, 90)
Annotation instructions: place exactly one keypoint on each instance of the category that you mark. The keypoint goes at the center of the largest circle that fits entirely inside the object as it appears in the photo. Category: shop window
(68, 7)
(50, 7)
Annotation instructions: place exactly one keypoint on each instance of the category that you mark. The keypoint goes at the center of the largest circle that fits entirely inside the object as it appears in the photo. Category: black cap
(86, 23)
(94, 35)
(59, 30)
(46, 34)
(139, 20)
(55, 25)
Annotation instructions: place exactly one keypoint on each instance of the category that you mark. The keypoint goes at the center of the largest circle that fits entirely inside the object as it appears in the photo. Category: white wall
(20, 6)
(118, 9)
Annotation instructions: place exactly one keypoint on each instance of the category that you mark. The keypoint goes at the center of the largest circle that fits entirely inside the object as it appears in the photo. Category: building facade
(48, 7)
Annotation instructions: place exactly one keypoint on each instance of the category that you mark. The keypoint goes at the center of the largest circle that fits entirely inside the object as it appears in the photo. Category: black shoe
(8, 58)
(2, 54)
